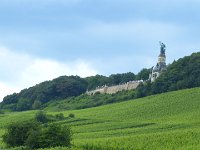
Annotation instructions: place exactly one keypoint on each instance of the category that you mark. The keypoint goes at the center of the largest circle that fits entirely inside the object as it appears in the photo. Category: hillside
(166, 121)
(88, 101)
(66, 91)
(64, 87)
(181, 74)
(33, 97)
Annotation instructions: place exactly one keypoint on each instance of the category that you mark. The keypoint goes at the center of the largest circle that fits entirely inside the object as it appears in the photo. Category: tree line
(62, 88)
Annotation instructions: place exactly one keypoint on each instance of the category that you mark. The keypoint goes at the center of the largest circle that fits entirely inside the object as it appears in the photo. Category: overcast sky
(43, 39)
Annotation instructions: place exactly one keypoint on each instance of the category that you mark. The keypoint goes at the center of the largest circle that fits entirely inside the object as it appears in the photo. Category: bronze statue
(162, 48)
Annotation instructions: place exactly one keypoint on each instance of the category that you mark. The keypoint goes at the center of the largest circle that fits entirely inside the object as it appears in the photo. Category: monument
(161, 64)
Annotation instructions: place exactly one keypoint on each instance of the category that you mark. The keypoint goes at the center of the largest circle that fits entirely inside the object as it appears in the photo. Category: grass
(165, 121)
(87, 101)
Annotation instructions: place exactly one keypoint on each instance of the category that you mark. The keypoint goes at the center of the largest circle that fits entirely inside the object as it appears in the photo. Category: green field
(166, 121)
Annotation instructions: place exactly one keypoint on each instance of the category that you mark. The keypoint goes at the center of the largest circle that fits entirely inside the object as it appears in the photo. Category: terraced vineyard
(166, 121)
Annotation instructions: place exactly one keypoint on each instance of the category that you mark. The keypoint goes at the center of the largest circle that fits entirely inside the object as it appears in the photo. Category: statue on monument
(162, 48)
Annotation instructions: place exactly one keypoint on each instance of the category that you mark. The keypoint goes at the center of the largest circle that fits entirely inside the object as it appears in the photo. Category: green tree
(95, 81)
(56, 135)
(23, 104)
(17, 133)
(143, 74)
(37, 104)
(34, 139)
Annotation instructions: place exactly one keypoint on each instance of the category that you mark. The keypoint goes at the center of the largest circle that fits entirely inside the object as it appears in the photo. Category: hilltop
(68, 92)
(64, 87)
(181, 74)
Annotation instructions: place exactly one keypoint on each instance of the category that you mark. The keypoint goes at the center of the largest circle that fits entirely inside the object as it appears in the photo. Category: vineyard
(165, 121)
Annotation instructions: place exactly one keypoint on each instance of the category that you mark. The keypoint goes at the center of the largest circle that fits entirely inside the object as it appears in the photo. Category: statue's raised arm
(162, 48)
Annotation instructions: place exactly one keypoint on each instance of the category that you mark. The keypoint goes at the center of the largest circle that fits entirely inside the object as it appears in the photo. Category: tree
(33, 135)
(56, 135)
(143, 74)
(95, 81)
(23, 104)
(17, 133)
(34, 139)
(37, 104)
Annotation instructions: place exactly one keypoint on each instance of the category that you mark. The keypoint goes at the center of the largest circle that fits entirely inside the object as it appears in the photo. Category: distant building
(116, 88)
(161, 64)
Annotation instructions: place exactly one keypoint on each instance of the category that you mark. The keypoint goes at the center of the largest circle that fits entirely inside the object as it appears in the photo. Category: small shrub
(71, 116)
(60, 116)
(97, 93)
(41, 117)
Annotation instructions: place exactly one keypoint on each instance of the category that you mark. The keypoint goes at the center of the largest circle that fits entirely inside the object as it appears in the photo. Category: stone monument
(161, 64)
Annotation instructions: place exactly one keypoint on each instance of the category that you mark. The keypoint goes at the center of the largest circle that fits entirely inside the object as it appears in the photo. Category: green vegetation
(87, 101)
(64, 87)
(32, 134)
(115, 79)
(34, 97)
(41, 117)
(17, 133)
(51, 136)
(181, 74)
(166, 121)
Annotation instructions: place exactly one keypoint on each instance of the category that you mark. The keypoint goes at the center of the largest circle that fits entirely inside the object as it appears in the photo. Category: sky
(44, 39)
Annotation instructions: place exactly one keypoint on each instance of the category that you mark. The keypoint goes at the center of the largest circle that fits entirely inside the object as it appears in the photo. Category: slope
(165, 121)
(181, 74)
(63, 87)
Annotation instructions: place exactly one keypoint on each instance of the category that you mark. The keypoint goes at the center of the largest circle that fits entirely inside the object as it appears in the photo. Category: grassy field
(165, 121)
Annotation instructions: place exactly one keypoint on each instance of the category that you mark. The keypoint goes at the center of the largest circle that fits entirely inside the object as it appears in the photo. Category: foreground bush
(51, 136)
(33, 135)
(17, 133)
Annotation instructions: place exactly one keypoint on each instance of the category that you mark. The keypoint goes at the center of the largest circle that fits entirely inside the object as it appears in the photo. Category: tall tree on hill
(143, 74)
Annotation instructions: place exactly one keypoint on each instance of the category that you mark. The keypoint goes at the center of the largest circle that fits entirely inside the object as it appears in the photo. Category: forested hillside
(181, 74)
(66, 87)
(34, 97)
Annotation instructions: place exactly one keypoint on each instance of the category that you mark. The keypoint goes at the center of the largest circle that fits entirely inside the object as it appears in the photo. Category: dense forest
(34, 97)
